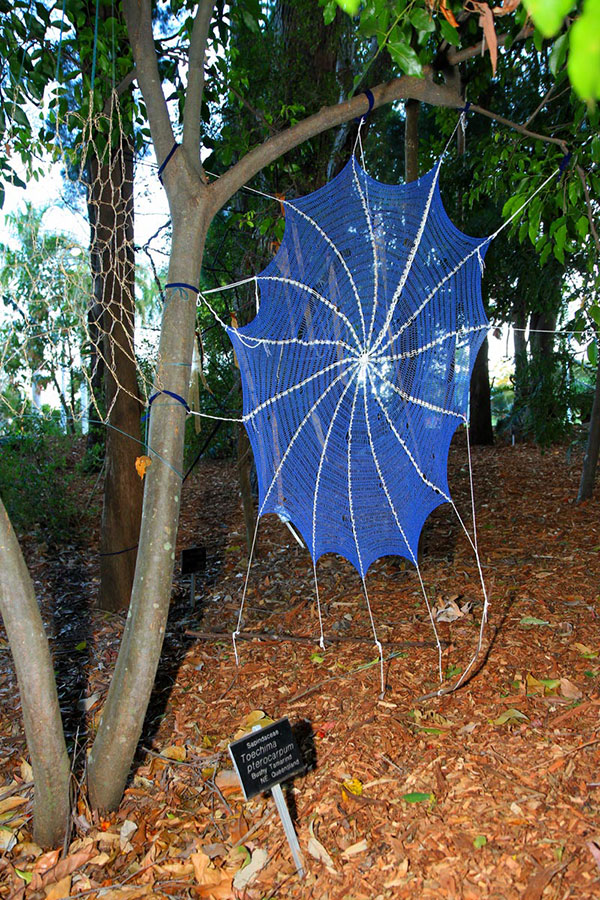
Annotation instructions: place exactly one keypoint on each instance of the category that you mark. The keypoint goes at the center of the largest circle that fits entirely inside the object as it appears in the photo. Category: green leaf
(405, 57)
(559, 53)
(510, 716)
(594, 312)
(418, 797)
(584, 52)
(592, 353)
(449, 33)
(531, 620)
(329, 12)
(26, 876)
(81, 645)
(548, 15)
(349, 6)
(421, 20)
(479, 841)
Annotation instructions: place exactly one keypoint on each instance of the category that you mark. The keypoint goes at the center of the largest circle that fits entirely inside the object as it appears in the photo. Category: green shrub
(34, 480)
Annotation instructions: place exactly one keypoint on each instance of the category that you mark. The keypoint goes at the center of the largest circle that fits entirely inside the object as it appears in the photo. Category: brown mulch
(489, 792)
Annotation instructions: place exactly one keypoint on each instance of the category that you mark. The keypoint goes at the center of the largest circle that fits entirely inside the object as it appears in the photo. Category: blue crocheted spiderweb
(356, 369)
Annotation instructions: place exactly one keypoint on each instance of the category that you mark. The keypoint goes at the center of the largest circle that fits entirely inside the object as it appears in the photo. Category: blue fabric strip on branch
(170, 394)
(161, 168)
(369, 95)
(562, 166)
(182, 284)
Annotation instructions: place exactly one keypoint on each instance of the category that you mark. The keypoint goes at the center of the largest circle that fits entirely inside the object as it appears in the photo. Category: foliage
(44, 285)
(35, 455)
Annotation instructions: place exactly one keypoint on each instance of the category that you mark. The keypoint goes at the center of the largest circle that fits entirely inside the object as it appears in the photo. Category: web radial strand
(296, 387)
(430, 296)
(364, 199)
(413, 555)
(410, 260)
(297, 434)
(338, 254)
(322, 461)
(417, 401)
(309, 290)
(406, 449)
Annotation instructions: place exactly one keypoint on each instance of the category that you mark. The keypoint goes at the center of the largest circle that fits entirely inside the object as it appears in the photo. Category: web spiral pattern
(356, 369)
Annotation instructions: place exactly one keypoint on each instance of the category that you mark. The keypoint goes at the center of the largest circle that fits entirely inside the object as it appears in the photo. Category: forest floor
(492, 791)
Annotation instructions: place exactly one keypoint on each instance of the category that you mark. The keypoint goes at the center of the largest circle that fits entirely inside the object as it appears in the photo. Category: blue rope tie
(181, 284)
(466, 107)
(369, 95)
(170, 394)
(161, 168)
(562, 166)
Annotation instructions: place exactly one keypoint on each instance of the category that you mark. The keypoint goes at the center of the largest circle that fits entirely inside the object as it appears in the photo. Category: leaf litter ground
(489, 792)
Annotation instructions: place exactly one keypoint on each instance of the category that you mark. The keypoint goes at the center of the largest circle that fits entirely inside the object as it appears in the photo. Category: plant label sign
(266, 757)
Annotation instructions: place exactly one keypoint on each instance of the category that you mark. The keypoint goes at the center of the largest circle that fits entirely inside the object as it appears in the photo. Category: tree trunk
(411, 140)
(520, 343)
(39, 698)
(244, 464)
(480, 419)
(590, 460)
(123, 716)
(113, 267)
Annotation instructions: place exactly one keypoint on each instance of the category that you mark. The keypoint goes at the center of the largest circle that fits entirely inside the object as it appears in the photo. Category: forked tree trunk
(590, 460)
(480, 421)
(123, 716)
(37, 687)
(111, 202)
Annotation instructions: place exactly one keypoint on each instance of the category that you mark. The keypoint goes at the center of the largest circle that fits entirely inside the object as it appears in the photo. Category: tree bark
(590, 460)
(113, 267)
(123, 716)
(37, 687)
(411, 140)
(480, 424)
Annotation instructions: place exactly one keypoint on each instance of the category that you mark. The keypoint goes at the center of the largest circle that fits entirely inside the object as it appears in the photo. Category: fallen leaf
(60, 890)
(353, 786)
(318, 851)
(248, 873)
(11, 803)
(128, 828)
(400, 875)
(543, 877)
(570, 690)
(510, 716)
(418, 797)
(532, 620)
(595, 851)
(46, 861)
(8, 839)
(175, 752)
(355, 849)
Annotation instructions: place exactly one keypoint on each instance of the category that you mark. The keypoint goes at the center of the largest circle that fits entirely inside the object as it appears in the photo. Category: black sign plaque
(193, 560)
(266, 757)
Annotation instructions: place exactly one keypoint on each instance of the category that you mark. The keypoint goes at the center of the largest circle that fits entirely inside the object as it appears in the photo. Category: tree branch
(138, 16)
(588, 204)
(195, 86)
(457, 56)
(404, 88)
(521, 129)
